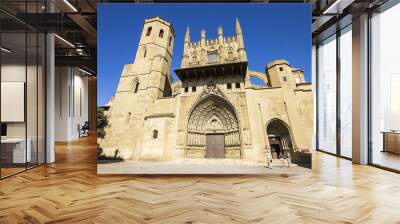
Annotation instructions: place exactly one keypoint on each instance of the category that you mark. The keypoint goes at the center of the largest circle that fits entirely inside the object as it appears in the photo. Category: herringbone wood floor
(70, 191)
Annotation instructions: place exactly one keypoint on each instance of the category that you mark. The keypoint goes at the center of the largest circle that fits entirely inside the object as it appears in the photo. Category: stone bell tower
(154, 56)
(140, 85)
(149, 74)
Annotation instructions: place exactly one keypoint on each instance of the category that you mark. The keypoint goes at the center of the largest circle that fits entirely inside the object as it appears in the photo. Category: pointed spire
(239, 37)
(203, 38)
(220, 35)
(203, 34)
(238, 28)
(186, 46)
(187, 36)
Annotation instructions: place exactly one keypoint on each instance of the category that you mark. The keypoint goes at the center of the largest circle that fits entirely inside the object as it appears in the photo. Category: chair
(84, 130)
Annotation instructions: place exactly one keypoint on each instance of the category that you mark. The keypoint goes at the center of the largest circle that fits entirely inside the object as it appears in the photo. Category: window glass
(14, 153)
(346, 92)
(31, 97)
(385, 88)
(327, 95)
(22, 93)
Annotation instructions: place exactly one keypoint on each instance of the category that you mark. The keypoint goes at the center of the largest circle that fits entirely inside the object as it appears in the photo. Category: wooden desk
(391, 142)
(13, 150)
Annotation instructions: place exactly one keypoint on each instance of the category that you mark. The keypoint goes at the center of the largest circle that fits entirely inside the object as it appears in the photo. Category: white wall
(71, 102)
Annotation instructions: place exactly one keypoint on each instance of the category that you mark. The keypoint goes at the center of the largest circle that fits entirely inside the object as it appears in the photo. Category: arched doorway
(213, 127)
(279, 136)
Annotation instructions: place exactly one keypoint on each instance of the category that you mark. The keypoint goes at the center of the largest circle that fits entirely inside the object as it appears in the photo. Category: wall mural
(206, 115)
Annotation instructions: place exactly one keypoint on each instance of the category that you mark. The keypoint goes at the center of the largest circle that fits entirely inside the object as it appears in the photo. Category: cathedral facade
(214, 111)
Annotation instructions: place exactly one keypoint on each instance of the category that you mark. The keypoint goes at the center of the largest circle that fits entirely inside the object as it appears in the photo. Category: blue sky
(270, 32)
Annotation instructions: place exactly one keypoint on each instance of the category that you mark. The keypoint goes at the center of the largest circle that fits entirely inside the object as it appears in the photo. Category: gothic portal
(213, 116)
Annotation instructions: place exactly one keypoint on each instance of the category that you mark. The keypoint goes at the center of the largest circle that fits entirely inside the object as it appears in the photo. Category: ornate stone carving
(213, 114)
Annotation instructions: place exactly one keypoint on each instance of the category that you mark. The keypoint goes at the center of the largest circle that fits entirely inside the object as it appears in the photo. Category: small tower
(279, 74)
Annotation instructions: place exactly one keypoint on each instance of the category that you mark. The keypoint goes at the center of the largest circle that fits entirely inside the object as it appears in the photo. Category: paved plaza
(198, 166)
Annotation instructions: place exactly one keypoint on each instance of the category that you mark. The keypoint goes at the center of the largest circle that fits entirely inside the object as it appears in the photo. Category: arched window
(145, 52)
(155, 134)
(161, 34)
(148, 31)
(194, 59)
(170, 40)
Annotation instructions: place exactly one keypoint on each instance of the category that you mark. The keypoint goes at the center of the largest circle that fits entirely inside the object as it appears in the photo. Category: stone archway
(213, 128)
(279, 136)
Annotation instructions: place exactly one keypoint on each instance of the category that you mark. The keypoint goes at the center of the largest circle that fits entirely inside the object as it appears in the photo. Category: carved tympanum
(213, 114)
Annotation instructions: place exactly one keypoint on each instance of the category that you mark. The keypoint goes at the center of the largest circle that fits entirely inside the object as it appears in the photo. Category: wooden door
(215, 146)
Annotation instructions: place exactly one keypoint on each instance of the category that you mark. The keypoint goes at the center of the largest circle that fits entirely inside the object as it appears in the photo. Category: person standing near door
(269, 159)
